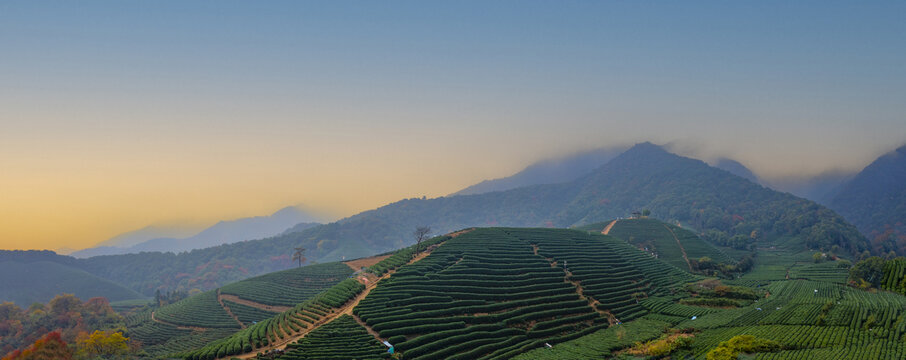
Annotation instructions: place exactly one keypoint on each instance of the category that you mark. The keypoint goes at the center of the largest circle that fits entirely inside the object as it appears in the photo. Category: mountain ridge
(875, 201)
(644, 177)
(223, 232)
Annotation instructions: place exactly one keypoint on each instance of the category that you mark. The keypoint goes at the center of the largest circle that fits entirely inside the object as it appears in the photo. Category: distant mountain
(672, 187)
(224, 232)
(147, 233)
(27, 277)
(736, 168)
(875, 201)
(299, 227)
(552, 171)
(819, 188)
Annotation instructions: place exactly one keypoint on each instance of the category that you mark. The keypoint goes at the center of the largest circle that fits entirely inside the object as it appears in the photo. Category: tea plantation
(501, 293)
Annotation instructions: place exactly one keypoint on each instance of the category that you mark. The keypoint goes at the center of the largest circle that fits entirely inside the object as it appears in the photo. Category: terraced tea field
(341, 339)
(668, 242)
(495, 293)
(501, 293)
(203, 318)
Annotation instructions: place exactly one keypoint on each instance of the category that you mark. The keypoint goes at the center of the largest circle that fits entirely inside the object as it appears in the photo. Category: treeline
(878, 273)
(65, 319)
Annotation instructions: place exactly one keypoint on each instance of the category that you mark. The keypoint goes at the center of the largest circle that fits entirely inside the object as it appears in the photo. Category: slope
(806, 319)
(551, 171)
(226, 310)
(875, 201)
(669, 243)
(496, 292)
(18, 281)
(736, 168)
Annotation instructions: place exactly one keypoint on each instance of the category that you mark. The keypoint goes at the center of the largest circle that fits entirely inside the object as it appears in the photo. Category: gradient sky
(117, 115)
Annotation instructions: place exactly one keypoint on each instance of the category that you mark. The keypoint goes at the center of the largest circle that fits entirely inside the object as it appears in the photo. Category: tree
(299, 255)
(871, 270)
(51, 346)
(646, 213)
(104, 345)
(421, 233)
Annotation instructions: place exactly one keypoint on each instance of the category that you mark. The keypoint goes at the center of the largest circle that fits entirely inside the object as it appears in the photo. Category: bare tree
(421, 233)
(299, 255)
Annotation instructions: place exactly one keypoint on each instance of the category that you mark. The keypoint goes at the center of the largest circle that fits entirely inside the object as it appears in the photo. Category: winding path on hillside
(345, 309)
(259, 306)
(682, 249)
(182, 327)
(608, 227)
(580, 290)
(228, 310)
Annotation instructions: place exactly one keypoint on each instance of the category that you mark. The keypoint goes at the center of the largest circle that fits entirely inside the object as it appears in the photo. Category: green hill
(500, 293)
(489, 291)
(25, 283)
(805, 319)
(221, 312)
(875, 201)
(669, 243)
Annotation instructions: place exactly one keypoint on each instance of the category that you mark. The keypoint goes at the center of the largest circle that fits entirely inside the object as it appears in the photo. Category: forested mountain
(28, 277)
(644, 177)
(552, 171)
(875, 201)
(224, 232)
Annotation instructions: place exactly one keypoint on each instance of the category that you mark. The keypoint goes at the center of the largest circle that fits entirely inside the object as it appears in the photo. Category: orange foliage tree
(49, 347)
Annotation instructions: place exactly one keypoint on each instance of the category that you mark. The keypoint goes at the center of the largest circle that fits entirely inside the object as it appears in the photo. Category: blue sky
(244, 107)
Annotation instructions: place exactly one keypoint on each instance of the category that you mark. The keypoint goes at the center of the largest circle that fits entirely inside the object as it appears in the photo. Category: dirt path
(345, 309)
(358, 264)
(683, 250)
(591, 301)
(460, 232)
(228, 310)
(369, 329)
(182, 327)
(608, 227)
(260, 306)
(581, 291)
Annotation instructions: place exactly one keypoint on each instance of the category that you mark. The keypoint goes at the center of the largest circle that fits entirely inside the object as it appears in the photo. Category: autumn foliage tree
(65, 315)
(51, 346)
(103, 345)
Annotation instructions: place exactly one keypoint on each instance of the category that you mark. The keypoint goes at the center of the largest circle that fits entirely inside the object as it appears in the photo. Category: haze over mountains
(644, 177)
(223, 232)
(559, 170)
(875, 201)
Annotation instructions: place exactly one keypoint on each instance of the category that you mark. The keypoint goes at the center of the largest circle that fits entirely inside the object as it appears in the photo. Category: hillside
(19, 277)
(500, 293)
(495, 291)
(875, 202)
(736, 168)
(669, 243)
(223, 311)
(644, 177)
(552, 171)
(223, 232)
(801, 319)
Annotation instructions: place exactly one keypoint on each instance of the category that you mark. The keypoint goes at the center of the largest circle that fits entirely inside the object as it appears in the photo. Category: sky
(119, 115)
